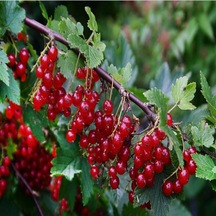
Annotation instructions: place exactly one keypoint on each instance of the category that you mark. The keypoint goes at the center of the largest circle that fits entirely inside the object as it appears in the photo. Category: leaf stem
(18, 174)
(102, 73)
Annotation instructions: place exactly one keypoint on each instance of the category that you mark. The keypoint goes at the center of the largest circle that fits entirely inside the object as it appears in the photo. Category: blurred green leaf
(12, 91)
(129, 210)
(178, 209)
(203, 134)
(60, 11)
(205, 167)
(44, 11)
(205, 25)
(119, 54)
(11, 17)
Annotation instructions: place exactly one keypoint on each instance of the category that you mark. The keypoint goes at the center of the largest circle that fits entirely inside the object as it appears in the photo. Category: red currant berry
(114, 182)
(183, 176)
(94, 171)
(141, 181)
(167, 188)
(24, 55)
(12, 60)
(112, 172)
(53, 53)
(169, 119)
(70, 136)
(177, 187)
(191, 167)
(108, 107)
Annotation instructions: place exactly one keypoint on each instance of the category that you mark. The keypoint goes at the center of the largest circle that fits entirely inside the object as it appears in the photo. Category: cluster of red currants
(4, 173)
(183, 175)
(19, 66)
(8, 131)
(150, 158)
(34, 164)
(51, 90)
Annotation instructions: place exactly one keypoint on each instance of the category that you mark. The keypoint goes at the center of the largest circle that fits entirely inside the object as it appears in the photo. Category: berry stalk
(102, 73)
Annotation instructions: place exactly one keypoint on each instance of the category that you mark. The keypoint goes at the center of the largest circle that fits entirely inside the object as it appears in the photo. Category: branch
(102, 73)
(18, 174)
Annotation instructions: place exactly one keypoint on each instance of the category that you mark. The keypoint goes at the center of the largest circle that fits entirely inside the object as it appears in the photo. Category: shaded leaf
(86, 181)
(37, 121)
(205, 167)
(159, 202)
(178, 209)
(12, 91)
(205, 25)
(11, 17)
(4, 76)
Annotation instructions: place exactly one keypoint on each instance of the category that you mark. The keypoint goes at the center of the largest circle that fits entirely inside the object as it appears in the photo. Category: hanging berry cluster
(30, 159)
(19, 65)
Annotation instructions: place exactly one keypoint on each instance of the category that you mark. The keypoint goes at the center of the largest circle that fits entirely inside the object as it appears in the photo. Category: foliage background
(179, 33)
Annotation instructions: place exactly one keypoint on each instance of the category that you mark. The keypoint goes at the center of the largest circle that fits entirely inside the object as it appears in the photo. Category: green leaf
(183, 93)
(12, 91)
(205, 25)
(11, 148)
(93, 55)
(92, 23)
(129, 210)
(67, 63)
(36, 121)
(44, 11)
(121, 75)
(203, 134)
(67, 163)
(77, 42)
(4, 76)
(159, 202)
(60, 11)
(206, 91)
(86, 182)
(138, 93)
(191, 30)
(11, 17)
(178, 209)
(205, 167)
(67, 27)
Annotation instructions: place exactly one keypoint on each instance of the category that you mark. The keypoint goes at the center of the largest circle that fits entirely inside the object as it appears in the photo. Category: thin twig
(102, 73)
(18, 174)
